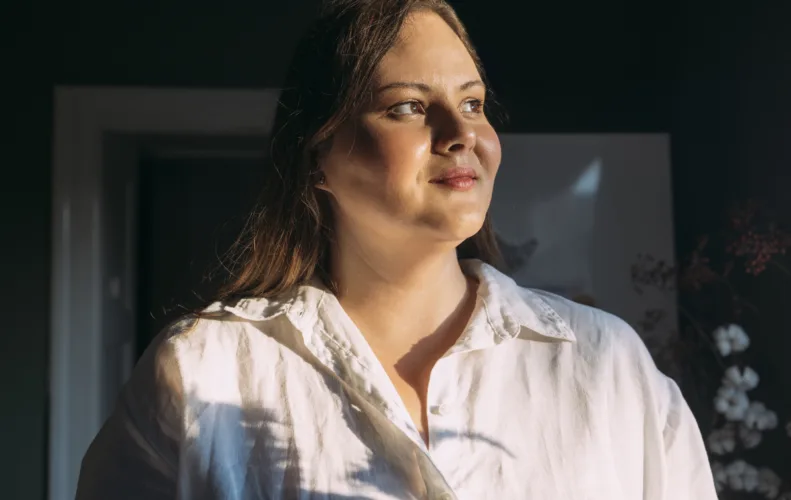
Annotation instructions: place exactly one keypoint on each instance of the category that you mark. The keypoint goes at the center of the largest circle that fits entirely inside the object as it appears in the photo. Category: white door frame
(82, 118)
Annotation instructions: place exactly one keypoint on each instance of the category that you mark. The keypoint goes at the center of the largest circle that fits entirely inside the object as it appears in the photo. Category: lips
(455, 173)
(456, 178)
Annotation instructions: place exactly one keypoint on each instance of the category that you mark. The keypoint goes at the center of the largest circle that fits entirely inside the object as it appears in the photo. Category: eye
(406, 108)
(472, 106)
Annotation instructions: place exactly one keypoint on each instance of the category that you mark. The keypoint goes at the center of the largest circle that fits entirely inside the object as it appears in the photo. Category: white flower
(750, 437)
(759, 417)
(769, 482)
(744, 380)
(731, 338)
(720, 475)
(742, 476)
(722, 441)
(731, 402)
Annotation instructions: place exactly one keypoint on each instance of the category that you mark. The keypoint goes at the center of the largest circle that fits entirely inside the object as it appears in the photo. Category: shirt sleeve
(135, 454)
(687, 470)
(675, 462)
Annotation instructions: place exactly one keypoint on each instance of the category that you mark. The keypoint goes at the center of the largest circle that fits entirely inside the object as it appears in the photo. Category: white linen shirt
(540, 398)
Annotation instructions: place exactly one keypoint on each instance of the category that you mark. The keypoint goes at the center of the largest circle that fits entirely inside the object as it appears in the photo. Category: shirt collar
(513, 311)
(510, 310)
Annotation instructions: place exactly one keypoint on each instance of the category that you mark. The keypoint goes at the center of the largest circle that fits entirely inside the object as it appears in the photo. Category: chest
(412, 389)
(410, 372)
(498, 431)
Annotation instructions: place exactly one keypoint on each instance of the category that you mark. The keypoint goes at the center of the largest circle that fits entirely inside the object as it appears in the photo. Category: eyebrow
(426, 88)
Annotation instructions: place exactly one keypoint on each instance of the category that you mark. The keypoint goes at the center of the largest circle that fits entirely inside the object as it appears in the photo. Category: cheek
(398, 152)
(352, 162)
(487, 148)
(387, 154)
(369, 166)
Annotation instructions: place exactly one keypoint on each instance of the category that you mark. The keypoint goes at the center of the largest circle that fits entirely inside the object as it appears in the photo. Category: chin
(462, 227)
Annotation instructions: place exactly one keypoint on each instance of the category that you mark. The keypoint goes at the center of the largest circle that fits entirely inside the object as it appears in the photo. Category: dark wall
(716, 78)
(192, 211)
(732, 109)
(731, 129)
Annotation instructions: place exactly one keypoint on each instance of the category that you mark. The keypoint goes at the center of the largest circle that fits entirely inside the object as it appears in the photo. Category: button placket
(441, 400)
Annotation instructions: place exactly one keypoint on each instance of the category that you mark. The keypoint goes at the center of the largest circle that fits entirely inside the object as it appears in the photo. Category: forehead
(427, 50)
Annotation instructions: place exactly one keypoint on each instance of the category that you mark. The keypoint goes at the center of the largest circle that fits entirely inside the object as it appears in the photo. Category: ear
(319, 154)
(321, 181)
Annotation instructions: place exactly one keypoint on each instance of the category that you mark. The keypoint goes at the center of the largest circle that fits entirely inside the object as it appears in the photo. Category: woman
(368, 348)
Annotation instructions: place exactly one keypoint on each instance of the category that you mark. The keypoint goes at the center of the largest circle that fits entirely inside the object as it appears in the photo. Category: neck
(396, 295)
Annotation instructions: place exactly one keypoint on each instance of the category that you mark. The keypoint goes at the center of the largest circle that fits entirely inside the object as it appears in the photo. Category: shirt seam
(557, 319)
(489, 320)
(348, 354)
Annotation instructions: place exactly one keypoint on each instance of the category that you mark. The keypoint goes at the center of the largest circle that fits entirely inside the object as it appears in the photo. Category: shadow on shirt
(247, 453)
(250, 452)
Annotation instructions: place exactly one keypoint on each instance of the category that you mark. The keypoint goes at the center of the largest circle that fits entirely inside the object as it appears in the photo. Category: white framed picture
(574, 211)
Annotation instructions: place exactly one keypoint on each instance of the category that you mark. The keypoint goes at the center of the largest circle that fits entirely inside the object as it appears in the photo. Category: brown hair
(287, 239)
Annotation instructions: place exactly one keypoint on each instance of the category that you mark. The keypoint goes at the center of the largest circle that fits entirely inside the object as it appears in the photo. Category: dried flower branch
(711, 310)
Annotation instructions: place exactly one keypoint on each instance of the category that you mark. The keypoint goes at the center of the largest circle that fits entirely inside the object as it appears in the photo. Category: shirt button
(440, 409)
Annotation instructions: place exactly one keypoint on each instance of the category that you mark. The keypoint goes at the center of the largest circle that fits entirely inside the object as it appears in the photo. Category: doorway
(192, 208)
(104, 140)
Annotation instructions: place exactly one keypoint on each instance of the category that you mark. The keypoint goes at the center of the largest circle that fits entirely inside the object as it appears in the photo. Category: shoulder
(593, 328)
(205, 344)
(219, 323)
(159, 371)
(182, 334)
(144, 432)
(604, 343)
(175, 348)
(608, 346)
(549, 316)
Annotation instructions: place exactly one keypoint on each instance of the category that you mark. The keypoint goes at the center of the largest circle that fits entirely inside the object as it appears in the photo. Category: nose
(453, 135)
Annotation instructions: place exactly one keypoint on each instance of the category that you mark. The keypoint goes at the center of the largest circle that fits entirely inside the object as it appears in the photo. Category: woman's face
(420, 160)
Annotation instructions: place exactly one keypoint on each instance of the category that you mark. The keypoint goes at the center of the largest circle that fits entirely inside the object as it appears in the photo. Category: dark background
(194, 210)
(716, 75)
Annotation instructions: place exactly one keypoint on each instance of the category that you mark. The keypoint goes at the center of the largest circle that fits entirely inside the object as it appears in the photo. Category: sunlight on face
(388, 168)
